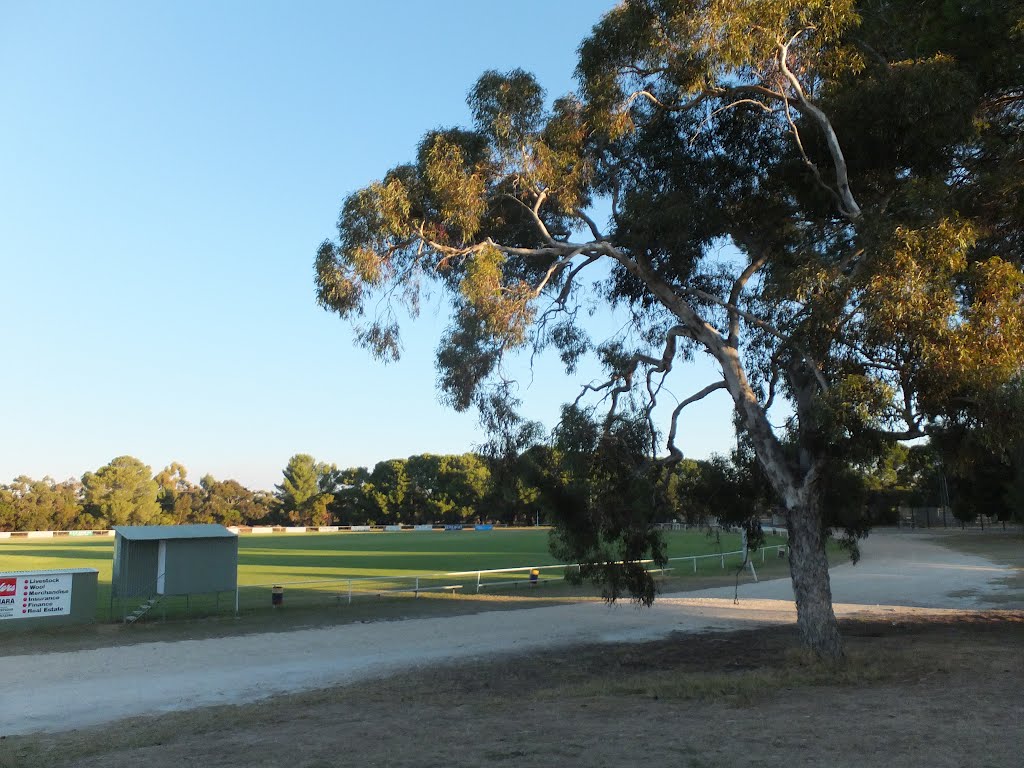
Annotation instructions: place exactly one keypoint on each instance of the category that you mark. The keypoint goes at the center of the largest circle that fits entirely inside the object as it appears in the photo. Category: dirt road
(902, 573)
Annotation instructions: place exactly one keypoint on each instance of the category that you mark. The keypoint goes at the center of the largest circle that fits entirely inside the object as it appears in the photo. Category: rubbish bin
(277, 596)
(534, 577)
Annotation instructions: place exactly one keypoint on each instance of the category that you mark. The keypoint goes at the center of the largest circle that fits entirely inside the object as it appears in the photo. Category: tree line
(547, 482)
(425, 488)
(127, 492)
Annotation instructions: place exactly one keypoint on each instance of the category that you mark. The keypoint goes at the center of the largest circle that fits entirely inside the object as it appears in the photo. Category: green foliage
(421, 489)
(122, 493)
(174, 492)
(507, 108)
(723, 490)
(387, 490)
(228, 502)
(39, 505)
(302, 493)
(603, 501)
(822, 195)
(980, 452)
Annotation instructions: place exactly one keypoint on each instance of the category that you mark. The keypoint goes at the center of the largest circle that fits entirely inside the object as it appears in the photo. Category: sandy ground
(902, 573)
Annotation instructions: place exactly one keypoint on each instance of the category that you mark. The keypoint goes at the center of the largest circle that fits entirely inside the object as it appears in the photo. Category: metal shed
(153, 561)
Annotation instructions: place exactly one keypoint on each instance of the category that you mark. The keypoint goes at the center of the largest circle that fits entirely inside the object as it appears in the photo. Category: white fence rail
(344, 590)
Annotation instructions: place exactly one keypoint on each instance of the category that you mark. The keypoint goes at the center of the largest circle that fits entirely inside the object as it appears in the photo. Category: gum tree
(122, 492)
(824, 196)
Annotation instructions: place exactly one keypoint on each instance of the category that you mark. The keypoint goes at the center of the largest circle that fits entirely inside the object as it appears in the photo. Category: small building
(153, 561)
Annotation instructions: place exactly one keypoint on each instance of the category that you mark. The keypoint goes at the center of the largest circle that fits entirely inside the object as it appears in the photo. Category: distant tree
(8, 513)
(1014, 492)
(423, 502)
(228, 502)
(515, 495)
(350, 505)
(302, 492)
(981, 457)
(122, 493)
(31, 503)
(175, 493)
(387, 490)
(423, 488)
(40, 505)
(176, 496)
(463, 481)
(65, 502)
(979, 481)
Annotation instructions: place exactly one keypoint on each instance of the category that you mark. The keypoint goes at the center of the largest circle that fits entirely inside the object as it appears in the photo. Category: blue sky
(166, 174)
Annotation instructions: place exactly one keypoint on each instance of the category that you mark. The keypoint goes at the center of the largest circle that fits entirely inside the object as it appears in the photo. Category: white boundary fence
(279, 529)
(343, 590)
(51, 534)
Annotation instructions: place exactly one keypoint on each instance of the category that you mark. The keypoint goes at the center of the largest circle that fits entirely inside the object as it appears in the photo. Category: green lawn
(377, 563)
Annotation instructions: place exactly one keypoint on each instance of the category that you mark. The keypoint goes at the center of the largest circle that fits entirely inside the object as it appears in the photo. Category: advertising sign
(33, 597)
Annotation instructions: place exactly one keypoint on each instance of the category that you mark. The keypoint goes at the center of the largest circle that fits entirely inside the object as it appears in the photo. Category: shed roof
(49, 572)
(162, 532)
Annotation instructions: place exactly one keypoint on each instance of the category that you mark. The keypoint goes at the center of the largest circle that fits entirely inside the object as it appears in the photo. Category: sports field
(337, 567)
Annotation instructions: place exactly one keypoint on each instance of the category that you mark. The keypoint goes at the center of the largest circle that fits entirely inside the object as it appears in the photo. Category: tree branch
(594, 230)
(558, 265)
(765, 326)
(674, 453)
(803, 154)
(621, 381)
(848, 207)
(563, 295)
(535, 215)
(734, 297)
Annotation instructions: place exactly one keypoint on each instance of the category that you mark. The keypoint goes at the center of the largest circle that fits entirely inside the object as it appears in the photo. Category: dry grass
(956, 680)
(746, 687)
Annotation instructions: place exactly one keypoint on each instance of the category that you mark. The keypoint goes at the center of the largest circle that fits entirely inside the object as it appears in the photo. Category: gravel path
(899, 568)
(61, 691)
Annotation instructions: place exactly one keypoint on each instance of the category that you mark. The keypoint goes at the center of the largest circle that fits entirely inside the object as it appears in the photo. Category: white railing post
(694, 563)
(417, 586)
(478, 582)
(350, 591)
(723, 561)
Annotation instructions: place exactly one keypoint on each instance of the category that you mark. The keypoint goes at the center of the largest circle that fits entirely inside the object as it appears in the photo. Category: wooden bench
(453, 588)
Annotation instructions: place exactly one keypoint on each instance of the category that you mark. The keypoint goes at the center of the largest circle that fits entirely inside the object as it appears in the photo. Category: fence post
(478, 582)
(694, 563)
(350, 591)
(762, 553)
(723, 560)
(417, 586)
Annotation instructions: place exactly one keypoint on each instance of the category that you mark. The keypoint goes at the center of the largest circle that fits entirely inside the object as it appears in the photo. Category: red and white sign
(35, 596)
